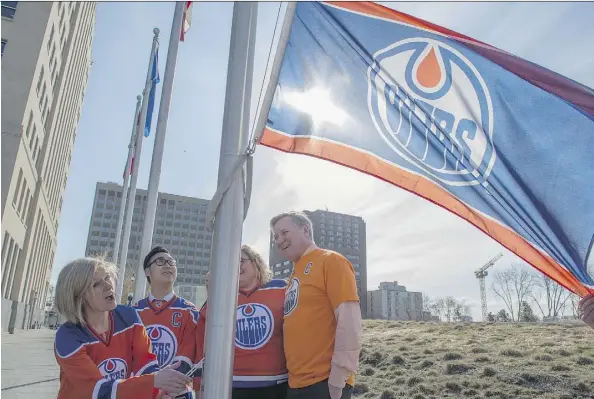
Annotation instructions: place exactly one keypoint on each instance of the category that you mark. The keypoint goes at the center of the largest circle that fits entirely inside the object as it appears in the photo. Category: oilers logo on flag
(291, 296)
(163, 342)
(254, 326)
(433, 108)
(113, 369)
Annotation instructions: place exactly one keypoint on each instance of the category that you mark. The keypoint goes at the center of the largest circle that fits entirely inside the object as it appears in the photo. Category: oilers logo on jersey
(163, 342)
(113, 369)
(254, 326)
(291, 296)
(441, 93)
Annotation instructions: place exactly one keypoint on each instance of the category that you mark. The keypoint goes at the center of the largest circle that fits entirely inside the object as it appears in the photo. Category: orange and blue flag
(501, 142)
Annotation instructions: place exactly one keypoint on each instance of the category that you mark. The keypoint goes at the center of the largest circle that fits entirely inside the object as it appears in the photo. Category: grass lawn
(458, 360)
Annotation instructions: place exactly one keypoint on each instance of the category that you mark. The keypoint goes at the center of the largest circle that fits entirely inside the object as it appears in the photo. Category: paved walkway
(29, 368)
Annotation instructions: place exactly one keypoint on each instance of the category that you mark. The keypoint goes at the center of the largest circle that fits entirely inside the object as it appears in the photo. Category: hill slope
(458, 360)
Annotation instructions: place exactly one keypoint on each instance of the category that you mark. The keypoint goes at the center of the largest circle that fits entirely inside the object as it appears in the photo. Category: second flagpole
(135, 166)
(159, 146)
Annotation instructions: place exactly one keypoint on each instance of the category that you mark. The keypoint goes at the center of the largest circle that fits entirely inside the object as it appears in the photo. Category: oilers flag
(501, 142)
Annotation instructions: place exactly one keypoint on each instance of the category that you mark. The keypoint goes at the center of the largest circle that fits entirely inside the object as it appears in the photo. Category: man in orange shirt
(322, 317)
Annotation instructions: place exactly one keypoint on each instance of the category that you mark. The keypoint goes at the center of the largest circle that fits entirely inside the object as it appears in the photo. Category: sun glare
(317, 103)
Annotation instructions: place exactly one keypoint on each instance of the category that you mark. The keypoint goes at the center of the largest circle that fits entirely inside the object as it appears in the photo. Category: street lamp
(131, 295)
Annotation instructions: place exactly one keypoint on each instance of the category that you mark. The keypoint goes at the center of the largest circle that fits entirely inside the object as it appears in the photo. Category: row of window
(22, 197)
(32, 138)
(10, 255)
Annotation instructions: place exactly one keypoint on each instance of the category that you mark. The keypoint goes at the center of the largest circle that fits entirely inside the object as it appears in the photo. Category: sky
(409, 240)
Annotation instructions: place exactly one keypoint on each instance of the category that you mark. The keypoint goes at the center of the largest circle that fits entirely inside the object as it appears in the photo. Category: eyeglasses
(163, 261)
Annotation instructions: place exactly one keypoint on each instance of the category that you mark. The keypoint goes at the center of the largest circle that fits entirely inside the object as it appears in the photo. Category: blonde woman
(259, 370)
(103, 344)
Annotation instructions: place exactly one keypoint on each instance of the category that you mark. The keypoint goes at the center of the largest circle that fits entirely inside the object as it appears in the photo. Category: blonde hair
(74, 281)
(263, 272)
(299, 219)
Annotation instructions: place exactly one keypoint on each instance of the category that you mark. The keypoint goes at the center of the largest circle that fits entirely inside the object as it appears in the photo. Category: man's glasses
(163, 261)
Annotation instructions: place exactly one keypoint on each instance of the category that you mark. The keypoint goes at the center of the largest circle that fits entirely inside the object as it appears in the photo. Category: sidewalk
(29, 368)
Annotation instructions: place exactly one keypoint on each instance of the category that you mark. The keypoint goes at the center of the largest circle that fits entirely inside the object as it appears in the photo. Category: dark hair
(147, 258)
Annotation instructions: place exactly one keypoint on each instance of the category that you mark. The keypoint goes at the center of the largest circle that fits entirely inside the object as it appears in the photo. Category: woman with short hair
(259, 370)
(103, 349)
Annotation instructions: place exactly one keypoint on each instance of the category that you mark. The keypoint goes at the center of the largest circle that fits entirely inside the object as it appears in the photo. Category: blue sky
(409, 240)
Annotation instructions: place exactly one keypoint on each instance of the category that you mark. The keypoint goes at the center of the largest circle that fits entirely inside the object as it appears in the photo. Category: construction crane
(481, 274)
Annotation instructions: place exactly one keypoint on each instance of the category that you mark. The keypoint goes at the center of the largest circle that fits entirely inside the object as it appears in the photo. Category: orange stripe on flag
(424, 188)
(376, 10)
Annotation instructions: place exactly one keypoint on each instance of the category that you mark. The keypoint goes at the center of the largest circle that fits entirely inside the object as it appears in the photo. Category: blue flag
(501, 142)
(151, 101)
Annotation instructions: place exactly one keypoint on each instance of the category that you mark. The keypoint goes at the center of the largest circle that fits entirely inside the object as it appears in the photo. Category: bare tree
(450, 306)
(514, 286)
(438, 307)
(426, 305)
(129, 278)
(556, 296)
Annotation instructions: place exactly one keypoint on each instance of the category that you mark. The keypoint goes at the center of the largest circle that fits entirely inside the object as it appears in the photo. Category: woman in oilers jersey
(259, 370)
(103, 350)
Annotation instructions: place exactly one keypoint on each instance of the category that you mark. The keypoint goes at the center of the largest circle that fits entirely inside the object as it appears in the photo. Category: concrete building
(180, 226)
(46, 59)
(393, 302)
(339, 232)
(192, 293)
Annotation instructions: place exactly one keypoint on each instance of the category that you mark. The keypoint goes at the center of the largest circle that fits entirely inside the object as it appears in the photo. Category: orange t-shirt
(321, 280)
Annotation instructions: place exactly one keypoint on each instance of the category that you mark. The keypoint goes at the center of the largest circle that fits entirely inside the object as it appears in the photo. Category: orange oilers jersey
(259, 357)
(321, 280)
(119, 365)
(171, 327)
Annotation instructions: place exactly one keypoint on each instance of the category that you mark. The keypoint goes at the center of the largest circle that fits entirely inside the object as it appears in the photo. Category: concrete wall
(17, 316)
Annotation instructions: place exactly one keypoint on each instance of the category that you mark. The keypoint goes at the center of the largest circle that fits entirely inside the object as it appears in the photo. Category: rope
(252, 144)
(244, 158)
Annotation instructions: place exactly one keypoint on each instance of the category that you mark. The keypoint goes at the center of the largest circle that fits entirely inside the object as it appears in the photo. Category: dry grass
(475, 360)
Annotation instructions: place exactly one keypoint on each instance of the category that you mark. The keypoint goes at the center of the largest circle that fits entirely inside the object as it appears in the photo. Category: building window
(9, 9)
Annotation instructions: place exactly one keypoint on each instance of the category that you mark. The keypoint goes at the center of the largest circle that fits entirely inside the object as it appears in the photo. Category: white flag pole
(135, 167)
(224, 270)
(118, 238)
(157, 160)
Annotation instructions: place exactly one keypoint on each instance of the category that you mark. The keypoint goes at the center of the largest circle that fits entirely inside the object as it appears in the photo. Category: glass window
(9, 9)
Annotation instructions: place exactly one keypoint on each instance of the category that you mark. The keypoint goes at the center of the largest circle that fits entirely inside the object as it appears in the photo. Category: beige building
(46, 59)
(180, 226)
(393, 302)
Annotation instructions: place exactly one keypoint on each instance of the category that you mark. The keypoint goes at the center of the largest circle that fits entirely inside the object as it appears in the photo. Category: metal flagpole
(161, 130)
(118, 238)
(224, 271)
(135, 167)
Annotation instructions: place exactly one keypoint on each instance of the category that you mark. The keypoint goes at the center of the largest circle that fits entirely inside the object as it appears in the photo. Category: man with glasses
(170, 320)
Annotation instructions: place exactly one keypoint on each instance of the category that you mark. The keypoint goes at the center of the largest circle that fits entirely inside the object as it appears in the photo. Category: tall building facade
(180, 226)
(393, 302)
(46, 59)
(339, 232)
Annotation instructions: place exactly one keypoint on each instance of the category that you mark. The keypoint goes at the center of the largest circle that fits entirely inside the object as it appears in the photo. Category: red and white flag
(187, 20)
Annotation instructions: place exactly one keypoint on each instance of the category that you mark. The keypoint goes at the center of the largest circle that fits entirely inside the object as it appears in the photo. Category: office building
(339, 232)
(180, 226)
(46, 59)
(393, 302)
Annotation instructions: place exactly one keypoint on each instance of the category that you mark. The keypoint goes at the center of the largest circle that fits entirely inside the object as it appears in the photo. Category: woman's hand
(170, 380)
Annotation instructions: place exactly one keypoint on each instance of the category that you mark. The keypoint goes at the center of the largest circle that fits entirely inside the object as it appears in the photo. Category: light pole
(131, 295)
